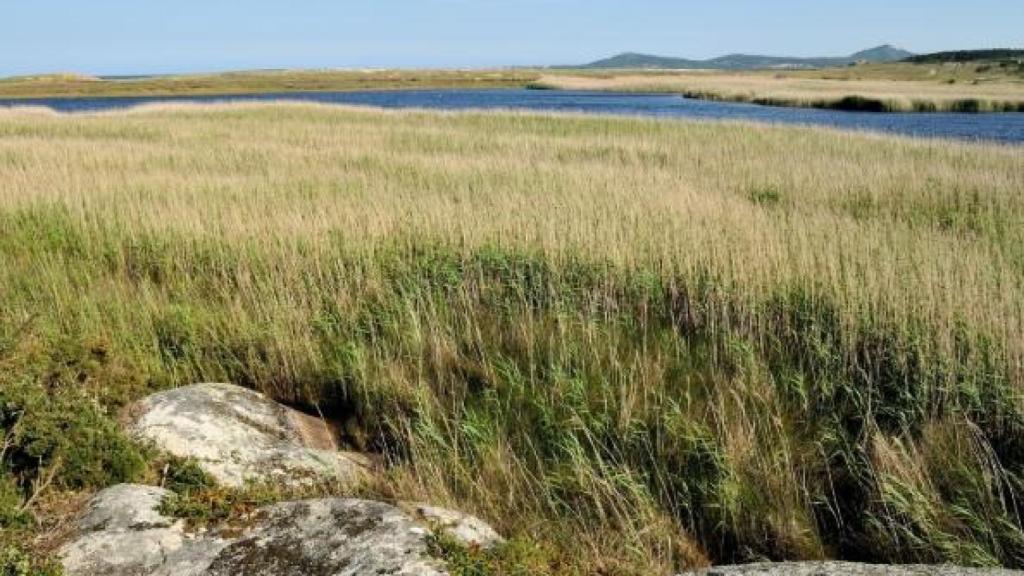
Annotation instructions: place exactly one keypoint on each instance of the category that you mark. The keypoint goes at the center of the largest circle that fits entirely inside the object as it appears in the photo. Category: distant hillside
(635, 60)
(884, 53)
(967, 56)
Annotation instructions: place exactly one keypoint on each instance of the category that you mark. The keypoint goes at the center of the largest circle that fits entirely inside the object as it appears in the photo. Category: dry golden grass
(246, 82)
(892, 226)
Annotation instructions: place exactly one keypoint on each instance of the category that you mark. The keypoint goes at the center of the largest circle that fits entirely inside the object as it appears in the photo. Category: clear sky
(157, 36)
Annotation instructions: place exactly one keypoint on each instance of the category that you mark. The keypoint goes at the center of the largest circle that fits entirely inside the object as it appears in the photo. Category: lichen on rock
(122, 533)
(467, 530)
(330, 537)
(238, 436)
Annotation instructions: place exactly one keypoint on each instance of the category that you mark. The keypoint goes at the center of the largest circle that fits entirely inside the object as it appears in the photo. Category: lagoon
(1006, 128)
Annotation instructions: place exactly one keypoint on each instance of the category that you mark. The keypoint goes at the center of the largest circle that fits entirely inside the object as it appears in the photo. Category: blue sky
(140, 36)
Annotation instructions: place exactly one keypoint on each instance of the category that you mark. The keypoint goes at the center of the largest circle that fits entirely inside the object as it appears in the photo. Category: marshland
(972, 86)
(633, 345)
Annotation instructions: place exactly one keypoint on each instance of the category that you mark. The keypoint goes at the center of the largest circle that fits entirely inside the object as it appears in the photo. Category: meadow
(893, 87)
(257, 81)
(633, 345)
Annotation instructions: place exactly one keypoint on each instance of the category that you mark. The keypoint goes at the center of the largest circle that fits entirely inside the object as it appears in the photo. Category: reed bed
(633, 345)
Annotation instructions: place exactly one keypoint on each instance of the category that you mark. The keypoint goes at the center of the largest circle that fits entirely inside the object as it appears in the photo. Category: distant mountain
(634, 60)
(884, 53)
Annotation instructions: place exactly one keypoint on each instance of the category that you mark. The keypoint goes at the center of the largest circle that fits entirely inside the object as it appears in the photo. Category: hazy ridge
(884, 53)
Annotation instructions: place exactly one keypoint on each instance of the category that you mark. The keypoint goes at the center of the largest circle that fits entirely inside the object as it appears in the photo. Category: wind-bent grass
(634, 345)
(879, 90)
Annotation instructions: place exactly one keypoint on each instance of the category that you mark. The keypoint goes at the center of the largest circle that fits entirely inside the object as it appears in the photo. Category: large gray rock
(846, 569)
(123, 534)
(238, 435)
(332, 537)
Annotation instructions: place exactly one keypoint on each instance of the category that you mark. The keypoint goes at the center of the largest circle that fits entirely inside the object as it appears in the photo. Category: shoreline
(826, 90)
(848, 103)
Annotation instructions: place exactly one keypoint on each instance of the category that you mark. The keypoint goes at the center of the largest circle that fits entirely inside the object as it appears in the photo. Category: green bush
(768, 195)
(859, 104)
(60, 432)
(967, 106)
(11, 514)
(185, 476)
(16, 562)
(63, 433)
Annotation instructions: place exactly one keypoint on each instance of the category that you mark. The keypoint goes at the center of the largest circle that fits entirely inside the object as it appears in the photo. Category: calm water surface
(1007, 128)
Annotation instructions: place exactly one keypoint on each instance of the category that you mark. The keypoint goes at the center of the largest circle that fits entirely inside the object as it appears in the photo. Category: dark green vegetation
(16, 562)
(619, 387)
(1016, 56)
(58, 434)
(628, 60)
(71, 85)
(198, 499)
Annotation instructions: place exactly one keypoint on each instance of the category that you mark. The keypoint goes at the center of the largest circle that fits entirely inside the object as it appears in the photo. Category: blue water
(989, 127)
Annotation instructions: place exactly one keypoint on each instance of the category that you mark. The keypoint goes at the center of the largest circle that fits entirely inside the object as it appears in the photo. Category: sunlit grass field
(896, 87)
(632, 345)
(256, 81)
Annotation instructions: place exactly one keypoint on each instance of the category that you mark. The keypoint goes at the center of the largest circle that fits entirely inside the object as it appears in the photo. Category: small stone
(468, 530)
(125, 507)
